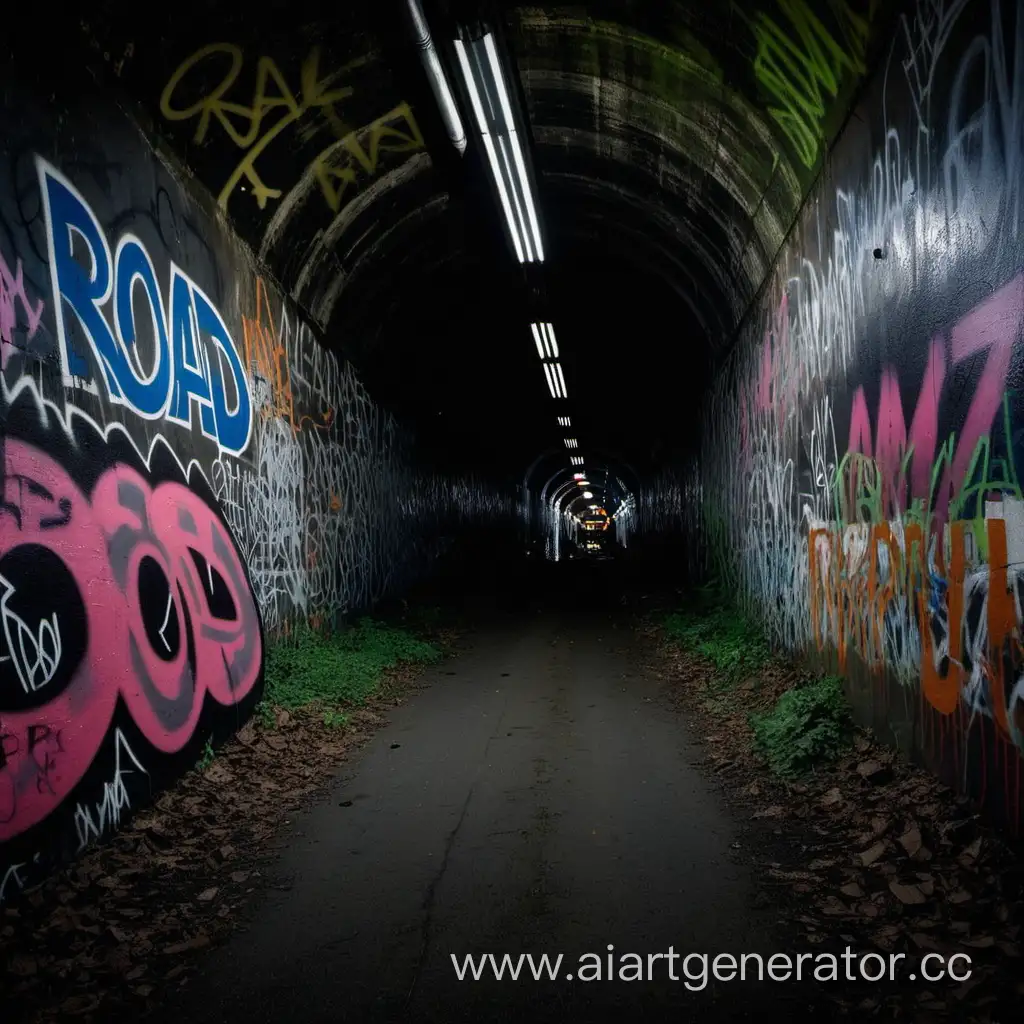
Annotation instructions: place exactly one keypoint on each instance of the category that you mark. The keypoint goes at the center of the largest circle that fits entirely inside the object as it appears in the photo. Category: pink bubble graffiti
(103, 543)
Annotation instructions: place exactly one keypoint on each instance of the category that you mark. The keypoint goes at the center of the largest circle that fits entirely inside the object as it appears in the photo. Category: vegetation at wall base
(808, 726)
(734, 645)
(334, 670)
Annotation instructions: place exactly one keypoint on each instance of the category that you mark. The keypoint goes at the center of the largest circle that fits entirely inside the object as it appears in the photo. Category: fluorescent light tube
(527, 197)
(552, 387)
(503, 194)
(517, 153)
(492, 156)
(538, 342)
(520, 216)
(499, 81)
(474, 96)
(561, 380)
(549, 334)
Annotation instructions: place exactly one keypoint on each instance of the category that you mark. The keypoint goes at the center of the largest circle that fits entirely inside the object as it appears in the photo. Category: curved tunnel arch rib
(645, 104)
(603, 459)
(673, 250)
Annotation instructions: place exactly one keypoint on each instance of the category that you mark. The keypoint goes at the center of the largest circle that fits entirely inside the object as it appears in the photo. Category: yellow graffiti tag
(800, 65)
(382, 136)
(244, 123)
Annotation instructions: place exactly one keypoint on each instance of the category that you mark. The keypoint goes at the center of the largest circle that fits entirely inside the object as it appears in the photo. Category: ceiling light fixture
(485, 83)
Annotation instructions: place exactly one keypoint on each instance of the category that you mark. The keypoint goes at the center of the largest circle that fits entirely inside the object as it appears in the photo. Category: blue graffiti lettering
(195, 362)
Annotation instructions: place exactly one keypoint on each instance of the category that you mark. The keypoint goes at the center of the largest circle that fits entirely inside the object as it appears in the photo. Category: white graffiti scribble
(104, 815)
(11, 881)
(35, 656)
(956, 177)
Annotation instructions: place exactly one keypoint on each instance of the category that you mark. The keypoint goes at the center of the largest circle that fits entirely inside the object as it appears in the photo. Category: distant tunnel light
(570, 442)
(563, 421)
(556, 382)
(549, 334)
(485, 82)
(552, 383)
(576, 460)
(544, 339)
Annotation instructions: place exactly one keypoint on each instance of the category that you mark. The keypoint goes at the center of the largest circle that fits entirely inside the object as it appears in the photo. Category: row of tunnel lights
(547, 349)
(485, 82)
(484, 79)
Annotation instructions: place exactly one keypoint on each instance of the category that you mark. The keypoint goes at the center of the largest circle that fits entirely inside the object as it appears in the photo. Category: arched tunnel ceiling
(673, 144)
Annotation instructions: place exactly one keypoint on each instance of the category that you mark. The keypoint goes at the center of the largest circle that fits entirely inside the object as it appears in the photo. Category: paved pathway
(536, 797)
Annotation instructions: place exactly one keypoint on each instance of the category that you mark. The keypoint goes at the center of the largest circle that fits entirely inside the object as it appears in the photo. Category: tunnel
(553, 319)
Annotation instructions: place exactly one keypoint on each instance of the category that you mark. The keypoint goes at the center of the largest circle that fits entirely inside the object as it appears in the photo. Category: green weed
(338, 668)
(732, 643)
(808, 726)
(335, 719)
(207, 756)
(265, 713)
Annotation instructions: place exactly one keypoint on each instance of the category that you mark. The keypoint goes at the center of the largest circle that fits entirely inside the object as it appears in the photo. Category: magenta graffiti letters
(133, 592)
(13, 295)
(992, 327)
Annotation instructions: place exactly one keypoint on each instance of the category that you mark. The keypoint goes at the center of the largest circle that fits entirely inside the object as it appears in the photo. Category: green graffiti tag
(801, 65)
(859, 490)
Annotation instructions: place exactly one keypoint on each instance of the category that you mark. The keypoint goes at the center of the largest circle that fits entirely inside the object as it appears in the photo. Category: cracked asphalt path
(535, 797)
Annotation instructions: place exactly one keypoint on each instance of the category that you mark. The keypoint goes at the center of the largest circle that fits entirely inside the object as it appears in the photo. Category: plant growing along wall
(860, 465)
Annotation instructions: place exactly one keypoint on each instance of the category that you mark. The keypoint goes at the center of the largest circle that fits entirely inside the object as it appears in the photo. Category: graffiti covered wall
(186, 470)
(861, 464)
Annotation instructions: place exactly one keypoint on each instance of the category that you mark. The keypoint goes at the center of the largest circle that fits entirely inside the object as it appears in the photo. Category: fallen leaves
(100, 939)
(881, 857)
(907, 894)
(200, 941)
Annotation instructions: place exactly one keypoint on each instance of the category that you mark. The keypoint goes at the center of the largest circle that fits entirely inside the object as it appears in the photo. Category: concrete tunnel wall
(860, 477)
(187, 472)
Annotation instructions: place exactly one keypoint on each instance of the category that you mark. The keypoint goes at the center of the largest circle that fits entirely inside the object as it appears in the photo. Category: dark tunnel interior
(511, 475)
(661, 218)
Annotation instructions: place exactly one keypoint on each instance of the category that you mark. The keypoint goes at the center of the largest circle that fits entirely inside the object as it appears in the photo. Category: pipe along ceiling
(534, 228)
